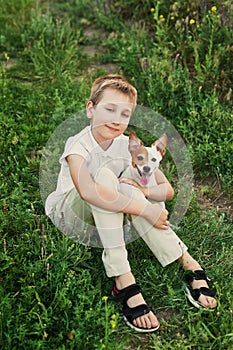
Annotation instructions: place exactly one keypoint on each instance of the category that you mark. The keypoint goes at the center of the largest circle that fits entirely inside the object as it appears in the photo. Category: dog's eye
(139, 157)
(153, 159)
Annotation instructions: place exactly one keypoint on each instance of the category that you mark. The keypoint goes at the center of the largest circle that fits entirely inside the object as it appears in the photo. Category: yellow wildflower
(214, 9)
(161, 17)
(113, 324)
(192, 21)
(104, 298)
(6, 56)
(152, 9)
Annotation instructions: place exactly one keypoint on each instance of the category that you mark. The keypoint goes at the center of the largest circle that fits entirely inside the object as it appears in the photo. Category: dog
(145, 160)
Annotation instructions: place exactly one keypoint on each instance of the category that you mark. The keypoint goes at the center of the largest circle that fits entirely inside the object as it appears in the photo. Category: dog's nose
(146, 169)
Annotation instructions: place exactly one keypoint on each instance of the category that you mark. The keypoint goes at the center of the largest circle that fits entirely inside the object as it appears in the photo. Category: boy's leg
(167, 247)
(110, 227)
(165, 244)
(79, 220)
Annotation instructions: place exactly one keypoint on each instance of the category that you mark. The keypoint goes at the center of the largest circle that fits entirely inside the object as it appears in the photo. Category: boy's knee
(131, 191)
(106, 177)
(137, 194)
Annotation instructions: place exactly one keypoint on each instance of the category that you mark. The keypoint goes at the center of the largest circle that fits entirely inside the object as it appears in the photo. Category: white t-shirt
(116, 158)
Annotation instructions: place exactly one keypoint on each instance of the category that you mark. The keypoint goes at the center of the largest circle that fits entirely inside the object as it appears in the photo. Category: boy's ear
(161, 144)
(134, 142)
(89, 109)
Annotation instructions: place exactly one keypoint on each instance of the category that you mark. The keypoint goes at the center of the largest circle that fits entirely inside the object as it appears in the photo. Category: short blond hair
(113, 81)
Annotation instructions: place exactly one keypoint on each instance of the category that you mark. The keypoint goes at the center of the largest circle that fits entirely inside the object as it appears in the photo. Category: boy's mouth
(111, 128)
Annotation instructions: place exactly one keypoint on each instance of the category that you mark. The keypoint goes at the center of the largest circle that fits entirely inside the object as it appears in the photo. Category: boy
(88, 188)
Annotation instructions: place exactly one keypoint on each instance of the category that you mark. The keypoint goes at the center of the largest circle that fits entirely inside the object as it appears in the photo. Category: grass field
(54, 293)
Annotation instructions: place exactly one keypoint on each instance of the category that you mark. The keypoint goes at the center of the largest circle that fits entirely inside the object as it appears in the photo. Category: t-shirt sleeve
(73, 147)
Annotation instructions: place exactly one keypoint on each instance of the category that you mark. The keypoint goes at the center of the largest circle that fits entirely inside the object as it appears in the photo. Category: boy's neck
(106, 144)
(103, 144)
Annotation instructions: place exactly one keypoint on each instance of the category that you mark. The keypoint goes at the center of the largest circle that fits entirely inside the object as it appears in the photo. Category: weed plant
(53, 292)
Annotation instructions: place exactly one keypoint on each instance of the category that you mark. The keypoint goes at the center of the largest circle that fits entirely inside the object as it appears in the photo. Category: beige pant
(97, 227)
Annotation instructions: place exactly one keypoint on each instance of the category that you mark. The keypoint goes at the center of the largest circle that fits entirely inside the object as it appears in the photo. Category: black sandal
(194, 294)
(130, 314)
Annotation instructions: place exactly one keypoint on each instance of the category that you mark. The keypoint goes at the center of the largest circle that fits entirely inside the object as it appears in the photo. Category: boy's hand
(128, 181)
(131, 182)
(157, 216)
(162, 221)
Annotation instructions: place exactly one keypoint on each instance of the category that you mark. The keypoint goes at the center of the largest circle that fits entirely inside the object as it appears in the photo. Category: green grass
(53, 291)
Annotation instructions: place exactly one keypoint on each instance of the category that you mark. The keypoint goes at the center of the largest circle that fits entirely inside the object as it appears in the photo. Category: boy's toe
(212, 303)
(207, 302)
(149, 323)
(139, 323)
(146, 321)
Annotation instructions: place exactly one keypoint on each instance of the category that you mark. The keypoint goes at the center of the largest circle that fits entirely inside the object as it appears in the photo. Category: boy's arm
(163, 191)
(109, 199)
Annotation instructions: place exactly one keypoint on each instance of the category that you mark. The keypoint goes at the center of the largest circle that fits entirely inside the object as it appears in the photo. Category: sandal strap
(189, 276)
(124, 294)
(131, 313)
(203, 290)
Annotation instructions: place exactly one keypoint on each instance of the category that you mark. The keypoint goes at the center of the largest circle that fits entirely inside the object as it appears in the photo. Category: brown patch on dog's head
(134, 142)
(137, 149)
(161, 144)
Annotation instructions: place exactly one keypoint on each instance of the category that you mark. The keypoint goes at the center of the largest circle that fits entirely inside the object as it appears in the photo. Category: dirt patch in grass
(167, 314)
(93, 49)
(209, 194)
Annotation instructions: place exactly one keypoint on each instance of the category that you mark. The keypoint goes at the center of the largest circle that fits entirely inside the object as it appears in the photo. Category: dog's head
(146, 159)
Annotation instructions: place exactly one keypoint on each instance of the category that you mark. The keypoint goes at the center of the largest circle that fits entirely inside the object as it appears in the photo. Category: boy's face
(110, 117)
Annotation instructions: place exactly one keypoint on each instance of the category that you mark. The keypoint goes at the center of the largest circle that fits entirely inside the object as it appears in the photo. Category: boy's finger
(163, 225)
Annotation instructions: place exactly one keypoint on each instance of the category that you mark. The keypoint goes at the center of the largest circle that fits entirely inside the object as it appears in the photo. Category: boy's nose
(115, 121)
(146, 169)
(116, 118)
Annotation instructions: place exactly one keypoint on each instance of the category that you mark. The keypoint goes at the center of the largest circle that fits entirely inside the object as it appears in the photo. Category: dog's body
(145, 160)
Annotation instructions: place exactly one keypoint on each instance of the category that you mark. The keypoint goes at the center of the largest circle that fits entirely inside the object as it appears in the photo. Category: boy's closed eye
(125, 115)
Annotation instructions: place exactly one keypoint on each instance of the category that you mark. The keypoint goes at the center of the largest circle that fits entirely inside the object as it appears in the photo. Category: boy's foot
(198, 291)
(135, 304)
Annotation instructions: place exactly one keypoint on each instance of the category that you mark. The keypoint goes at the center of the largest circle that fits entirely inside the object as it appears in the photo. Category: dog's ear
(134, 142)
(161, 144)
